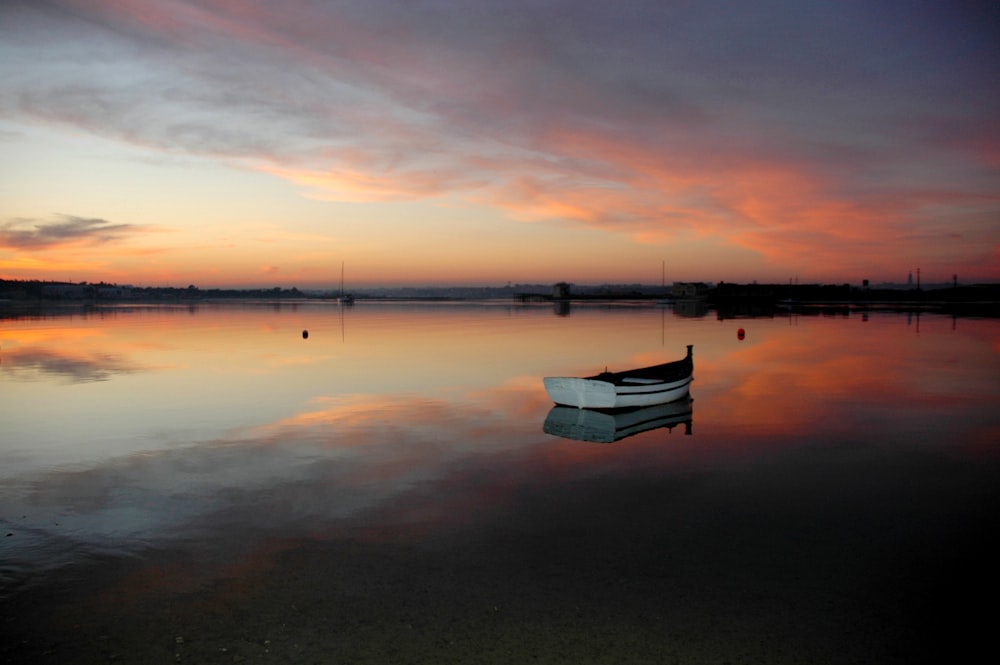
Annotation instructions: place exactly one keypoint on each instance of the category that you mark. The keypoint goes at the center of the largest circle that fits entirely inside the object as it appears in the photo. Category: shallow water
(206, 484)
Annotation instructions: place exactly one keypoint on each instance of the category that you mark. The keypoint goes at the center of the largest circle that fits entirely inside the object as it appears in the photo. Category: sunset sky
(263, 143)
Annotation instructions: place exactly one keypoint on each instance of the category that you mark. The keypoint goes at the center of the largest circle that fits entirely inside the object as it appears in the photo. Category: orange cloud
(359, 185)
(600, 125)
(34, 266)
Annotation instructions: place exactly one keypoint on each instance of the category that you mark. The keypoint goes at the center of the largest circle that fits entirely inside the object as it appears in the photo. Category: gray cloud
(33, 234)
(659, 102)
(393, 86)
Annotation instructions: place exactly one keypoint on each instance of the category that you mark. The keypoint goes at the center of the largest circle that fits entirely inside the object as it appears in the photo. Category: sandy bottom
(832, 559)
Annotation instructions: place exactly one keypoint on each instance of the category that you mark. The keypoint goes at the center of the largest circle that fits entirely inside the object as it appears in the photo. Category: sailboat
(665, 299)
(344, 298)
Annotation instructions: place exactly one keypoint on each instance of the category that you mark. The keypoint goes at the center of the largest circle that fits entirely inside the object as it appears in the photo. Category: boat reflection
(610, 426)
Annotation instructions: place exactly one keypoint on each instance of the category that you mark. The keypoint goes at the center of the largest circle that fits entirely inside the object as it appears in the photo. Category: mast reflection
(610, 426)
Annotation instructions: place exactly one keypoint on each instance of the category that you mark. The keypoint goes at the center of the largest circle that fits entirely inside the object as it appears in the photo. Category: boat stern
(581, 393)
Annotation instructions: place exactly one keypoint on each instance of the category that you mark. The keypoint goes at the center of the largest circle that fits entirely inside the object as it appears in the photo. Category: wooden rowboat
(658, 384)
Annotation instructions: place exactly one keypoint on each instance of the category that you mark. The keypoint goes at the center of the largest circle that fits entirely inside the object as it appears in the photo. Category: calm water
(203, 484)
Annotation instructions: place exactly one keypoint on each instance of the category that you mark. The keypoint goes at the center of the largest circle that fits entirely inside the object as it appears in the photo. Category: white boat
(611, 426)
(658, 384)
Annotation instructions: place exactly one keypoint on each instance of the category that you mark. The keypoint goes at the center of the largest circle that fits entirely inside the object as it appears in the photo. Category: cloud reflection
(399, 466)
(33, 363)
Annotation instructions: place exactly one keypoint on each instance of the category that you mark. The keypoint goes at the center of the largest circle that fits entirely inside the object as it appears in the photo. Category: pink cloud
(584, 117)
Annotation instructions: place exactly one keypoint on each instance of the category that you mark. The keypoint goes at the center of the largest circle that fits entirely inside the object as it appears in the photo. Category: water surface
(205, 484)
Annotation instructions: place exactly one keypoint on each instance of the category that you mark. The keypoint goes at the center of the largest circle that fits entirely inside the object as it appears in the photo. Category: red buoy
(741, 334)
(305, 334)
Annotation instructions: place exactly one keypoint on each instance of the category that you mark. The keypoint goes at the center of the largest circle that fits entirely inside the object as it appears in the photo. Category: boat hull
(597, 394)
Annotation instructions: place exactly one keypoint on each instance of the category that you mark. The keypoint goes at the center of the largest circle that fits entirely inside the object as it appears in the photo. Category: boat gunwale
(670, 372)
(653, 388)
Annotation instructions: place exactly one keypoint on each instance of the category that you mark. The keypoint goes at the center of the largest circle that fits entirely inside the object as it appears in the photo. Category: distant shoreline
(689, 299)
(725, 307)
(49, 291)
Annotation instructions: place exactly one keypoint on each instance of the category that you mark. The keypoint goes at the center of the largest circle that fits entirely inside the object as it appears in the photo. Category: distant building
(114, 292)
(13, 294)
(68, 291)
(689, 290)
(561, 291)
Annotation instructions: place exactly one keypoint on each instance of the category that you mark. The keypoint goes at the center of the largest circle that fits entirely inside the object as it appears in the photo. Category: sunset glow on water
(159, 456)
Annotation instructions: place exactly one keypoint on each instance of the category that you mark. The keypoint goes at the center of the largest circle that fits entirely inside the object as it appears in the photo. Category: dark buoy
(305, 334)
(741, 334)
